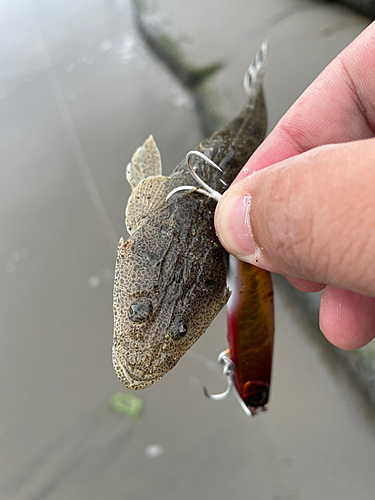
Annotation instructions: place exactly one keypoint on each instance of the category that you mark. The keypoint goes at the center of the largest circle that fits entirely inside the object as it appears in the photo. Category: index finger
(339, 106)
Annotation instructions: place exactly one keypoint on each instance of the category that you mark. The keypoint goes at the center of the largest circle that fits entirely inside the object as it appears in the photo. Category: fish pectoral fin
(148, 196)
(146, 162)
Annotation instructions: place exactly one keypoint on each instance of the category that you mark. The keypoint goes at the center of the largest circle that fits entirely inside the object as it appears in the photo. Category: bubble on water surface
(107, 274)
(105, 45)
(69, 67)
(93, 281)
(81, 58)
(126, 49)
(89, 60)
(180, 100)
(153, 451)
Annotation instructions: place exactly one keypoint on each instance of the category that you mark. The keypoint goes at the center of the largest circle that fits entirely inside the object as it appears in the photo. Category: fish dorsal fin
(146, 162)
(148, 196)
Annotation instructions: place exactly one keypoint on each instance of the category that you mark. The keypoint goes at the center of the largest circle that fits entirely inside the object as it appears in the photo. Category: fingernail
(233, 225)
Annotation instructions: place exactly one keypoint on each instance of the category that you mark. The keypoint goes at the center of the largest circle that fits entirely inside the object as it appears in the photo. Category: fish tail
(254, 75)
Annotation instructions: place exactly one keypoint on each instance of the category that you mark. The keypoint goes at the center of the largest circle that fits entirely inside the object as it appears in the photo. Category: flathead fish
(170, 277)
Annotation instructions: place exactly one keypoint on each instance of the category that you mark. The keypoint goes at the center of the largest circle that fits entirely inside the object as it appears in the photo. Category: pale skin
(304, 204)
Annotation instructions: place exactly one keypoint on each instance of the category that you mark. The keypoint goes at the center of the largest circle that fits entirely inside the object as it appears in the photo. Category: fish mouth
(128, 378)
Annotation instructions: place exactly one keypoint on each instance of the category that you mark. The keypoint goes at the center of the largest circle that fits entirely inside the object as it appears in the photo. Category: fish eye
(179, 330)
(140, 310)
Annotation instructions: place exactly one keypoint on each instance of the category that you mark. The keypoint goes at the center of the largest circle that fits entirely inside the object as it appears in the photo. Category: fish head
(167, 291)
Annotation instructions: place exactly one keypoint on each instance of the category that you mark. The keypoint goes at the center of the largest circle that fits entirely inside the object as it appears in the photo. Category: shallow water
(78, 93)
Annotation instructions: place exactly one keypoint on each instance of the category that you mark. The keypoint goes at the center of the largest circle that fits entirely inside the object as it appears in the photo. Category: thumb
(311, 216)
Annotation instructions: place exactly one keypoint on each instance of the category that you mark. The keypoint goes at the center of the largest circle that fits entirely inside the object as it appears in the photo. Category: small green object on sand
(126, 404)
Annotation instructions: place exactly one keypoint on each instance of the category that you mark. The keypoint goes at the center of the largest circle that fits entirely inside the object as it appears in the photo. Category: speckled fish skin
(170, 277)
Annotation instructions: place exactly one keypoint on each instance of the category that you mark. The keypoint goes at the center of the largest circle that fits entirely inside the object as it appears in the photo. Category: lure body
(170, 277)
(250, 327)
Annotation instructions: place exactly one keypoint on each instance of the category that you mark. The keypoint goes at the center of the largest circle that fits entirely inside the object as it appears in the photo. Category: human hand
(304, 204)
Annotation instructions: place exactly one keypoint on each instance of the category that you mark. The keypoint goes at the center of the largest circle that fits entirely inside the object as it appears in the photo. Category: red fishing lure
(250, 322)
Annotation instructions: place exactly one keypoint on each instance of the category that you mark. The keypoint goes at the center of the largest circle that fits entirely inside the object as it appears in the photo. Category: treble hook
(228, 369)
(208, 191)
